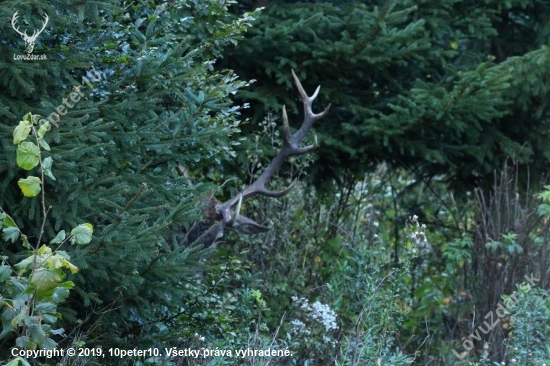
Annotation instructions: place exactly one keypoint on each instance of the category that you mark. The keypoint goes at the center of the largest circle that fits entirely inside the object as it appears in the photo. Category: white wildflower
(324, 314)
(298, 327)
(302, 302)
(418, 234)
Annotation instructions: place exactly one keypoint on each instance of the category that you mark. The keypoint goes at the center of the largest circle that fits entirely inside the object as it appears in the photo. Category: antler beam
(291, 147)
(13, 22)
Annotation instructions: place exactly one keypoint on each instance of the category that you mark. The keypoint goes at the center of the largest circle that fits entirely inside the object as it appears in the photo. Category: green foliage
(544, 207)
(509, 246)
(334, 298)
(129, 93)
(435, 87)
(458, 251)
(32, 289)
(430, 303)
(17, 360)
(531, 317)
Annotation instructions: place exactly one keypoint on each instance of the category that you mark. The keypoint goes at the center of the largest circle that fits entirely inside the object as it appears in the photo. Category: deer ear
(244, 225)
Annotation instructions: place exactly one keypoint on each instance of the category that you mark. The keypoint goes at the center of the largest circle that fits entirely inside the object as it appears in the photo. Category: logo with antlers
(29, 40)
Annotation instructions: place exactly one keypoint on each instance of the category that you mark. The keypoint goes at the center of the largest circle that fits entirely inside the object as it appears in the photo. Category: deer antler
(36, 33)
(291, 147)
(13, 21)
(29, 40)
(24, 34)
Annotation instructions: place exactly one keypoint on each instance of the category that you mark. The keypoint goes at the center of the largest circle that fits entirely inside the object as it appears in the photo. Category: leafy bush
(531, 318)
(32, 289)
(336, 299)
(155, 103)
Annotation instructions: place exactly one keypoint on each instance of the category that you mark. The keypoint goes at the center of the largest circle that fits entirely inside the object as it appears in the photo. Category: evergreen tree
(130, 93)
(442, 88)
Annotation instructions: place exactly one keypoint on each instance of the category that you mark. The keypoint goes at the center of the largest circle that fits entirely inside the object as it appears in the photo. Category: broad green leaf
(30, 186)
(28, 155)
(21, 132)
(25, 241)
(15, 362)
(50, 319)
(22, 342)
(44, 249)
(8, 221)
(45, 295)
(36, 333)
(46, 307)
(54, 262)
(31, 118)
(36, 118)
(68, 285)
(43, 129)
(59, 331)
(44, 144)
(57, 261)
(10, 234)
(5, 272)
(70, 266)
(58, 238)
(18, 285)
(31, 319)
(28, 118)
(19, 318)
(48, 343)
(24, 265)
(63, 254)
(47, 165)
(44, 279)
(82, 234)
(60, 294)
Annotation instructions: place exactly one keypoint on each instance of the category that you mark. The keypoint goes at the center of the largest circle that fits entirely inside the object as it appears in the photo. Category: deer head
(220, 215)
(29, 40)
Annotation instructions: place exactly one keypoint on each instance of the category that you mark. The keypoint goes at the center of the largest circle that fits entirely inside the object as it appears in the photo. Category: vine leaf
(30, 186)
(82, 234)
(28, 155)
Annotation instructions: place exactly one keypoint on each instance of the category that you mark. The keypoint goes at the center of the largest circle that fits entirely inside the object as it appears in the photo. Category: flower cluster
(418, 234)
(317, 313)
(324, 315)
(298, 327)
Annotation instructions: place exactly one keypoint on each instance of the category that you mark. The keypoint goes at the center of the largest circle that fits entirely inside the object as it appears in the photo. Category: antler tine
(286, 132)
(309, 116)
(13, 21)
(37, 32)
(269, 193)
(257, 188)
(46, 18)
(308, 101)
(233, 218)
(291, 147)
(301, 90)
(306, 149)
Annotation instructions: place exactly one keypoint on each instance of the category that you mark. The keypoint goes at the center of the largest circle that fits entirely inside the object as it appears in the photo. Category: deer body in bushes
(211, 229)
(220, 215)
